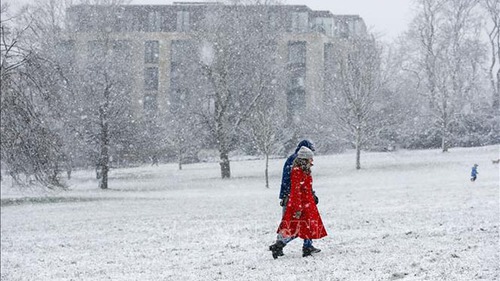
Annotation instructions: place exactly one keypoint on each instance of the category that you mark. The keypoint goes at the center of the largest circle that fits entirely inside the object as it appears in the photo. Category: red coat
(309, 225)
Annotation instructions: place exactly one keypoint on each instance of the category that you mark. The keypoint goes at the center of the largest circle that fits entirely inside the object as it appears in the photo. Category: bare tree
(264, 127)
(102, 90)
(238, 48)
(106, 106)
(493, 9)
(184, 137)
(30, 145)
(184, 132)
(357, 81)
(12, 54)
(449, 55)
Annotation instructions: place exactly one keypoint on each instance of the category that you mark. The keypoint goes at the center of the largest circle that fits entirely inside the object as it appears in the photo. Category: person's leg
(280, 237)
(285, 240)
(281, 241)
(307, 243)
(277, 248)
(308, 248)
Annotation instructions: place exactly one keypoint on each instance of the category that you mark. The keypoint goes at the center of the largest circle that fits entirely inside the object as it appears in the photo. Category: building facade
(153, 39)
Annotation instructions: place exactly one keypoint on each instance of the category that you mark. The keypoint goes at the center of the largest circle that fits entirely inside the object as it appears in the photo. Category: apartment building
(153, 38)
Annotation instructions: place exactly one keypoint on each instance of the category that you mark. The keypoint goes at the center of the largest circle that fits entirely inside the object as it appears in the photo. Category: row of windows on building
(179, 48)
(181, 51)
(155, 20)
(124, 20)
(98, 49)
(300, 23)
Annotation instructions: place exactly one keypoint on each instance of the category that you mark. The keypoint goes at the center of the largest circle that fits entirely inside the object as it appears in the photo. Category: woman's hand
(297, 215)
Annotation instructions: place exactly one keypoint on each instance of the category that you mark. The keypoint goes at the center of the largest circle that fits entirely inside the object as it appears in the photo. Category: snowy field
(410, 215)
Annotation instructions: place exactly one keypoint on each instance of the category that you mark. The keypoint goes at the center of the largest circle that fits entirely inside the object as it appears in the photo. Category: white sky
(387, 18)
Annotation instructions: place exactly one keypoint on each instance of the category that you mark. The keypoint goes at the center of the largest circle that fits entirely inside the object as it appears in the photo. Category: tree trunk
(221, 135)
(495, 83)
(444, 141)
(496, 98)
(104, 157)
(358, 148)
(444, 128)
(224, 165)
(496, 93)
(267, 170)
(180, 158)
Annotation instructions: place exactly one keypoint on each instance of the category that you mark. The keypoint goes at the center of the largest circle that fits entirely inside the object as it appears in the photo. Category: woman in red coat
(301, 218)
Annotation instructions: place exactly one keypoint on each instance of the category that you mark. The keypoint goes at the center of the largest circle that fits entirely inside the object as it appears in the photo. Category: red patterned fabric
(309, 225)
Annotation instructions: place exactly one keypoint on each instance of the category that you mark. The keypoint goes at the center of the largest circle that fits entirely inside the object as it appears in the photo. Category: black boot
(277, 249)
(307, 251)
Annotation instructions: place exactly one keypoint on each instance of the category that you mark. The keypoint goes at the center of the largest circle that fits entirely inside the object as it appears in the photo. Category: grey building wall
(140, 25)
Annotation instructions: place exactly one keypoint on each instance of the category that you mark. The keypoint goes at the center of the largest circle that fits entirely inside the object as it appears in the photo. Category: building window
(298, 82)
(330, 69)
(343, 28)
(130, 22)
(154, 21)
(182, 21)
(97, 50)
(179, 99)
(297, 78)
(273, 20)
(328, 56)
(121, 49)
(150, 103)
(151, 78)
(323, 25)
(151, 51)
(300, 22)
(180, 51)
(296, 102)
(121, 58)
(66, 51)
(176, 51)
(297, 52)
(175, 75)
(119, 20)
(73, 21)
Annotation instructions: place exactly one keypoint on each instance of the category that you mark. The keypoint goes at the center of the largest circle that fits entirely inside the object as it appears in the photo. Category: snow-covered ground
(411, 215)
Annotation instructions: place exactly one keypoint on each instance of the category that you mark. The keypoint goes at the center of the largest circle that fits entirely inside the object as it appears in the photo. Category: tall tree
(238, 48)
(264, 131)
(101, 85)
(105, 105)
(357, 80)
(445, 42)
(493, 9)
(30, 141)
(185, 123)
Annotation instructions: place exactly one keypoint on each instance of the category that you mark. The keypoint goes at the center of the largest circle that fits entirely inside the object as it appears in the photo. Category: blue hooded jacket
(474, 171)
(287, 169)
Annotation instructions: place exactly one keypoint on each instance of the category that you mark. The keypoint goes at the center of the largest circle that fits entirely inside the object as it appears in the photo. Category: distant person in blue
(285, 191)
(474, 173)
